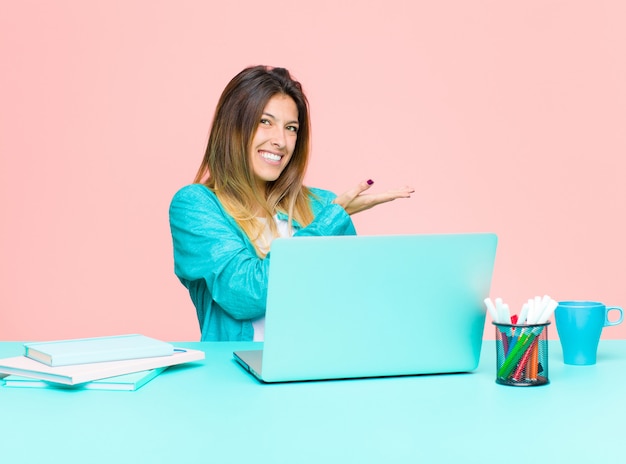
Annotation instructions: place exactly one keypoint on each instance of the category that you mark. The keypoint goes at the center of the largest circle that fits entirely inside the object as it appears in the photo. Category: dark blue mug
(579, 325)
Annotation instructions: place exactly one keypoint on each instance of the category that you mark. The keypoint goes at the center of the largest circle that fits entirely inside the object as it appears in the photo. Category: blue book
(126, 382)
(99, 349)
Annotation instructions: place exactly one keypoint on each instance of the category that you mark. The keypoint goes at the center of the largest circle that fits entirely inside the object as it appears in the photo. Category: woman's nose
(278, 139)
(278, 143)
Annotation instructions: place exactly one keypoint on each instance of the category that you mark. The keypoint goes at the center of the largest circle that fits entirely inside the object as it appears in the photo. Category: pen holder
(522, 354)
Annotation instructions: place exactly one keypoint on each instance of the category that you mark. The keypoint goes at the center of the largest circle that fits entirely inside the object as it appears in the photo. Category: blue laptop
(373, 306)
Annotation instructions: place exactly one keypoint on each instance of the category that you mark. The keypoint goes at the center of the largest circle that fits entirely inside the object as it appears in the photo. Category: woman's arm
(330, 218)
(209, 246)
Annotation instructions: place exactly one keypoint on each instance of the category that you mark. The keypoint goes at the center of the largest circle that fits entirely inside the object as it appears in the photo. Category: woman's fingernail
(370, 182)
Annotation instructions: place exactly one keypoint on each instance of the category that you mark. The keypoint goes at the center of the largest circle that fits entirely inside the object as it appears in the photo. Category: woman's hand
(354, 200)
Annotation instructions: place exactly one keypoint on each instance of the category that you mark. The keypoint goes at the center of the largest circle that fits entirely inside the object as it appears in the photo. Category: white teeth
(270, 156)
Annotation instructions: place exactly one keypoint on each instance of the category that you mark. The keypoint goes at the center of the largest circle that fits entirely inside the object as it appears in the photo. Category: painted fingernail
(370, 182)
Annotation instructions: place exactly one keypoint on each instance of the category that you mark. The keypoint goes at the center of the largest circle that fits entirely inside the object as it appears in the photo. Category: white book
(80, 373)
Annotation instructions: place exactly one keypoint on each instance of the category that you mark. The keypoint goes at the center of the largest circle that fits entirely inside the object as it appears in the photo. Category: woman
(248, 190)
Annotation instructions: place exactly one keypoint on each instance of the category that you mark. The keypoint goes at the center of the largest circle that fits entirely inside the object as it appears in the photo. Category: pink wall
(505, 116)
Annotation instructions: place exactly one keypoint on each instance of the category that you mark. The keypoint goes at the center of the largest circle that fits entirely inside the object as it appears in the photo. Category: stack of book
(123, 362)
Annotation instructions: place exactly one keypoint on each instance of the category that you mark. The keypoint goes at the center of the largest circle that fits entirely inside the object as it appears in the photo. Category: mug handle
(618, 321)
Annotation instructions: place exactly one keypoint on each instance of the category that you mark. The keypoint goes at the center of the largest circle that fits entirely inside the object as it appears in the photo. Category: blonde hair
(225, 168)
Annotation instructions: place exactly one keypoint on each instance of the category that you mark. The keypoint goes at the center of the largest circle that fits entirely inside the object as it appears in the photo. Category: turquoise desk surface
(214, 412)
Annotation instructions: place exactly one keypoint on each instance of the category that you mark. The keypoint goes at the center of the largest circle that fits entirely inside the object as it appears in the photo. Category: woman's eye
(265, 122)
(292, 128)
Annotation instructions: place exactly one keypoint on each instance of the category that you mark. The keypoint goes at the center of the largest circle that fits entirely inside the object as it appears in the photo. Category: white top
(264, 244)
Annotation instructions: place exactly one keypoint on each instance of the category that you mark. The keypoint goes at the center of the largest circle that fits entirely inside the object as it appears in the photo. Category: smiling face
(275, 138)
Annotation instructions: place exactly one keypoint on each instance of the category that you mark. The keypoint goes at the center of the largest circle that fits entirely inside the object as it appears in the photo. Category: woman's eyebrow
(295, 121)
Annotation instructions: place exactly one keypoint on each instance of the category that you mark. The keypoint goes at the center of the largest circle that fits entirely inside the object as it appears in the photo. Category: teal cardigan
(217, 263)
